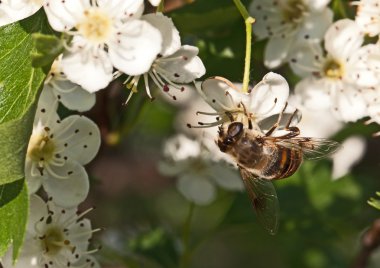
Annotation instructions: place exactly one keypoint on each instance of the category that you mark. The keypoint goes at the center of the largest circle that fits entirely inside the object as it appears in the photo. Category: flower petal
(32, 176)
(129, 9)
(135, 49)
(269, 96)
(277, 50)
(72, 96)
(186, 69)
(91, 71)
(226, 177)
(343, 38)
(17, 10)
(171, 40)
(37, 210)
(315, 25)
(316, 5)
(64, 15)
(71, 191)
(351, 153)
(349, 106)
(306, 58)
(154, 2)
(221, 94)
(80, 137)
(196, 189)
(314, 94)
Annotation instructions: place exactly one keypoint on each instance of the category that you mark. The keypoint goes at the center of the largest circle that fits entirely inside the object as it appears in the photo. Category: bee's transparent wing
(312, 148)
(264, 200)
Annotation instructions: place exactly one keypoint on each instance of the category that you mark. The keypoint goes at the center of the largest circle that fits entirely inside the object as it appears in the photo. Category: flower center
(333, 69)
(96, 26)
(293, 11)
(53, 241)
(41, 147)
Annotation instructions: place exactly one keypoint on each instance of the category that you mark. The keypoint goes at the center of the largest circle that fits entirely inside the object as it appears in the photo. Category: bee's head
(229, 134)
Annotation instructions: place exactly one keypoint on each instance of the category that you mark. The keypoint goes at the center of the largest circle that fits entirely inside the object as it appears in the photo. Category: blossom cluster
(106, 39)
(102, 41)
(338, 70)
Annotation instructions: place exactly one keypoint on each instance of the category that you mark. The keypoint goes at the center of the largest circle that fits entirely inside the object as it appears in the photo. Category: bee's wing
(264, 200)
(312, 148)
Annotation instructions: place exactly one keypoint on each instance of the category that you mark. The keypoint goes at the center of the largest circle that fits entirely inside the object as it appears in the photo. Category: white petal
(343, 38)
(315, 25)
(351, 153)
(79, 234)
(64, 15)
(316, 4)
(196, 189)
(46, 109)
(362, 68)
(349, 106)
(87, 260)
(268, 18)
(37, 210)
(221, 95)
(269, 96)
(129, 9)
(277, 50)
(171, 40)
(72, 96)
(71, 191)
(34, 182)
(92, 72)
(187, 68)
(12, 12)
(226, 177)
(314, 94)
(181, 147)
(81, 136)
(135, 49)
(155, 2)
(306, 58)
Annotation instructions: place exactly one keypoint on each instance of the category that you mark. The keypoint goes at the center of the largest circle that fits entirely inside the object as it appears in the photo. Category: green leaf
(48, 48)
(13, 214)
(20, 84)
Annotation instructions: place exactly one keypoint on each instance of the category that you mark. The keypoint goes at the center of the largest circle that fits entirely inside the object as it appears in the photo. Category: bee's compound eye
(235, 129)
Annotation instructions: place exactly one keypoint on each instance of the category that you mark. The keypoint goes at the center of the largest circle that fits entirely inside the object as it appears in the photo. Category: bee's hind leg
(275, 125)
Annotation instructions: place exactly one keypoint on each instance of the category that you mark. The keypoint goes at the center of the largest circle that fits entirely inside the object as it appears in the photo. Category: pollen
(333, 69)
(41, 147)
(293, 11)
(96, 26)
(53, 241)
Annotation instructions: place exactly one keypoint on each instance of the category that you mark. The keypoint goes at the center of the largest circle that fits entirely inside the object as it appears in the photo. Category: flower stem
(185, 257)
(248, 30)
(160, 7)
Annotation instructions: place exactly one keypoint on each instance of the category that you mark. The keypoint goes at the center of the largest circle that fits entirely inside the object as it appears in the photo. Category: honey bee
(262, 158)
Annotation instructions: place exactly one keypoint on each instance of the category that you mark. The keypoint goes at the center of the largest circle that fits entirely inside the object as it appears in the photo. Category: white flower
(106, 34)
(56, 237)
(174, 66)
(338, 79)
(56, 154)
(197, 171)
(15, 10)
(259, 107)
(69, 94)
(286, 22)
(368, 16)
(351, 153)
